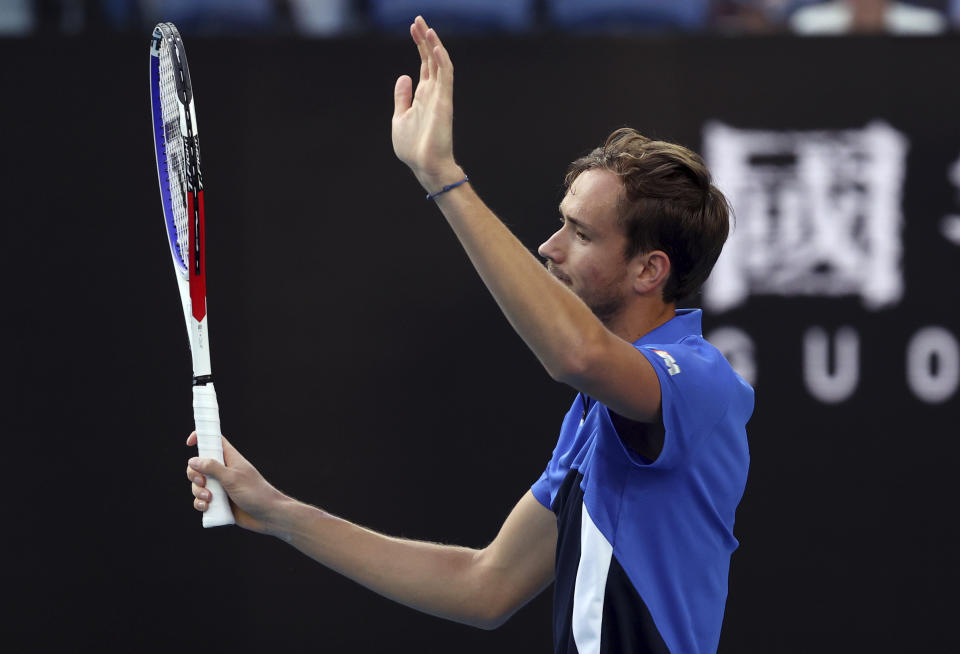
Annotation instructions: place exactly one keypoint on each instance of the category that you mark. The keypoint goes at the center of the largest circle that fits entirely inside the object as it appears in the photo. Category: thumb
(402, 95)
(231, 457)
(209, 467)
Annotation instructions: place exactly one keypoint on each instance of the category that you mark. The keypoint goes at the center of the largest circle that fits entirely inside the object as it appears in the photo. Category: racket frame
(190, 274)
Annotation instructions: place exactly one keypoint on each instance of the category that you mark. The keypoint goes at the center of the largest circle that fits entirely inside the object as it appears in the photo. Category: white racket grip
(206, 417)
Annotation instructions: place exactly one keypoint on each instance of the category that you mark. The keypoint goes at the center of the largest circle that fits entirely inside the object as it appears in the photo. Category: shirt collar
(685, 323)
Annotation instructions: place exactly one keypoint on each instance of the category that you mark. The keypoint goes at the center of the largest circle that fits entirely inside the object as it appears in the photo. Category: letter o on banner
(928, 345)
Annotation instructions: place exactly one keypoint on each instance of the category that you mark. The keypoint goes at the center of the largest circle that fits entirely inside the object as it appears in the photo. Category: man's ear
(651, 271)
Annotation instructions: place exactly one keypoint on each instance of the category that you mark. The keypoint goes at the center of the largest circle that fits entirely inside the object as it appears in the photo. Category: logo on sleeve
(669, 361)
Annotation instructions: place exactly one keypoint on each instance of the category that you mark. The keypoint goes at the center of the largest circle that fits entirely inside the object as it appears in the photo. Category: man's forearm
(549, 317)
(442, 580)
(559, 328)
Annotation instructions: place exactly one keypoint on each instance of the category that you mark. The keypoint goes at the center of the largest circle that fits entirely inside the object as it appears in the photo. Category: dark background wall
(362, 366)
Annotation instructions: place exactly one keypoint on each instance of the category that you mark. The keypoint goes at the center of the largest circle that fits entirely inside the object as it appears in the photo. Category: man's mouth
(559, 275)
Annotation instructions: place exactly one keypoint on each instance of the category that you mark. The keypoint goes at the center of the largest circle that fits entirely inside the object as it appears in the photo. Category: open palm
(423, 121)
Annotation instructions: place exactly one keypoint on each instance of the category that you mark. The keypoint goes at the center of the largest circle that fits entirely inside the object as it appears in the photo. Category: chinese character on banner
(817, 213)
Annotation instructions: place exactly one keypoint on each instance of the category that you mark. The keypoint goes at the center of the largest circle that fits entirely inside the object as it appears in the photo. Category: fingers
(207, 467)
(444, 64)
(426, 44)
(434, 58)
(195, 476)
(202, 497)
(198, 469)
(418, 32)
(201, 494)
(438, 58)
(402, 95)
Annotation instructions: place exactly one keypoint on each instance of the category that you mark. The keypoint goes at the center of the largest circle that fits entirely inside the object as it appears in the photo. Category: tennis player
(633, 517)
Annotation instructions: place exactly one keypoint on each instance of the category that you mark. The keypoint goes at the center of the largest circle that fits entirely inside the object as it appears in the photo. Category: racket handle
(206, 417)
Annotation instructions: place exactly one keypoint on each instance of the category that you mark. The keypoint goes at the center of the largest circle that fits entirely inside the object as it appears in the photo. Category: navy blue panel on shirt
(665, 526)
(626, 622)
(567, 507)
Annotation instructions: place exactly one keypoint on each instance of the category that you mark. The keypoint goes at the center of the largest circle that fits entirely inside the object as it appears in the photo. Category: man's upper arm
(616, 374)
(519, 563)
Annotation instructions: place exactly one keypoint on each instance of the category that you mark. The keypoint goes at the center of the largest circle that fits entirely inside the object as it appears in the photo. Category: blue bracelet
(448, 187)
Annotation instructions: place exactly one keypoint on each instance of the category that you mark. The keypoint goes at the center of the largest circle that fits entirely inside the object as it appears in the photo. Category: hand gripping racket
(181, 192)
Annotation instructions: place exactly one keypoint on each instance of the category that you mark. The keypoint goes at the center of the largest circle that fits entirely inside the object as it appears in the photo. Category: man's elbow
(577, 363)
(489, 625)
(492, 601)
(492, 617)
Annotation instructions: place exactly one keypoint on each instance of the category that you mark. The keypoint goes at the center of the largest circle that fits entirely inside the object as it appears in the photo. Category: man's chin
(605, 311)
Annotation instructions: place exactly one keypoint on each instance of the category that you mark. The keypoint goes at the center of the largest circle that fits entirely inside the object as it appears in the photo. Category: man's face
(586, 253)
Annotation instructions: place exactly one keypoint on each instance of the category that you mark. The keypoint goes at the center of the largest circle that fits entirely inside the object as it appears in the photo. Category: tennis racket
(181, 193)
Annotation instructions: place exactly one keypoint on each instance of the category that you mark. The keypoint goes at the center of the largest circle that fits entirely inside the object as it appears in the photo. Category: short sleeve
(695, 390)
(565, 455)
(541, 489)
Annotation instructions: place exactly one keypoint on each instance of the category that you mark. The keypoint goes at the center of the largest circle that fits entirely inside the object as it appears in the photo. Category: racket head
(177, 149)
(174, 132)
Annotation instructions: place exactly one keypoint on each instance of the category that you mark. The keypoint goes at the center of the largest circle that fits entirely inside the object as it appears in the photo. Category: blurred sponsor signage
(818, 213)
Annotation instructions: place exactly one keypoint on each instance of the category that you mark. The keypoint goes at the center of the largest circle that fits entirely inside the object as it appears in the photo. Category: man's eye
(581, 236)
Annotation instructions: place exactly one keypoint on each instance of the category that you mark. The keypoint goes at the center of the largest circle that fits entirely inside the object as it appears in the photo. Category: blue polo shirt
(643, 550)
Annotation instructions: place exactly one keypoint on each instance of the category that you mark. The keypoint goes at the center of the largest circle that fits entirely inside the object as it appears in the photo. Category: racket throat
(198, 277)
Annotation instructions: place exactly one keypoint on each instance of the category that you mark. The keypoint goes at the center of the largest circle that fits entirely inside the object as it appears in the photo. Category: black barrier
(363, 367)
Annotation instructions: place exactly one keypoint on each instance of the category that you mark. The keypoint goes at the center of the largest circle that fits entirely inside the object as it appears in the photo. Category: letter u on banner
(837, 384)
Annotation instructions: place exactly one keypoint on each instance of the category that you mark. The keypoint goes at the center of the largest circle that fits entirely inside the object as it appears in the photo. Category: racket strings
(175, 157)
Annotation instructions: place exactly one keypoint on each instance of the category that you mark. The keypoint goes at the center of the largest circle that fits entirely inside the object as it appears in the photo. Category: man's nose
(550, 249)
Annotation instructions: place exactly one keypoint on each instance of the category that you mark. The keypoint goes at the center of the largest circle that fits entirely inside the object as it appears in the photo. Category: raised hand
(251, 496)
(423, 121)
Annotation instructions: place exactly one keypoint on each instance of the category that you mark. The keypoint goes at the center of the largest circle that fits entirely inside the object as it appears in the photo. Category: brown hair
(669, 204)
